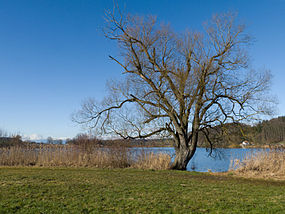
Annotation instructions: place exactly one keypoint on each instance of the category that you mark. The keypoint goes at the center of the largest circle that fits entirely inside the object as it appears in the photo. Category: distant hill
(270, 131)
(232, 134)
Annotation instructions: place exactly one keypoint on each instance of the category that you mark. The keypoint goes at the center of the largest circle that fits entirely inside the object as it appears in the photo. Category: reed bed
(151, 160)
(268, 163)
(77, 156)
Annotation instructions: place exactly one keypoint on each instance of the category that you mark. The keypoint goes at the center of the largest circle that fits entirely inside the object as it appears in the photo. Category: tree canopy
(178, 84)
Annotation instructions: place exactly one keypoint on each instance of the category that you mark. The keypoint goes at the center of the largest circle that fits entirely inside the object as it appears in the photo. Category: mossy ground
(66, 190)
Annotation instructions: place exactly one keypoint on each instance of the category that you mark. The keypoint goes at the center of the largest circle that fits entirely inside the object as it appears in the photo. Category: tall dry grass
(150, 160)
(77, 156)
(266, 163)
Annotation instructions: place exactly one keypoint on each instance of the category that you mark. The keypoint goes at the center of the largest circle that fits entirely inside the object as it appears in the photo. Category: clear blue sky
(53, 54)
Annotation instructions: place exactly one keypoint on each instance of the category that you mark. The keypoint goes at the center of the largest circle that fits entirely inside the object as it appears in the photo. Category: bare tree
(177, 85)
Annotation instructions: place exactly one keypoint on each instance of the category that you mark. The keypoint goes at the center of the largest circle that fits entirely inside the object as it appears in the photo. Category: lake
(218, 161)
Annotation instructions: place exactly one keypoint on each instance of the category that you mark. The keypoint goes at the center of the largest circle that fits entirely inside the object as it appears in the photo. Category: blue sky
(53, 54)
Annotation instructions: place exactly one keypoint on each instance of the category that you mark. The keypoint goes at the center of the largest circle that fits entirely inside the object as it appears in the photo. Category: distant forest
(233, 134)
(229, 135)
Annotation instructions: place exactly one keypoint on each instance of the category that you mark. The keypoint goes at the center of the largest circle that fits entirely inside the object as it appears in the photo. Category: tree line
(233, 134)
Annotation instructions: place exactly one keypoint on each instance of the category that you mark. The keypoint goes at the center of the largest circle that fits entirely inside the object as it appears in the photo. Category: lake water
(218, 161)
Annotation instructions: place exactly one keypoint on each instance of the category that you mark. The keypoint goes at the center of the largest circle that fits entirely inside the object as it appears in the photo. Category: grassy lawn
(42, 190)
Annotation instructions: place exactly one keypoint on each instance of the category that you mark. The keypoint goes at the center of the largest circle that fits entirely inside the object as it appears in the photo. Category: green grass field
(42, 190)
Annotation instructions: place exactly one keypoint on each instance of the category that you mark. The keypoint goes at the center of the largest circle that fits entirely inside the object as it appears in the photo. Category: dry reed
(267, 163)
(76, 156)
(150, 160)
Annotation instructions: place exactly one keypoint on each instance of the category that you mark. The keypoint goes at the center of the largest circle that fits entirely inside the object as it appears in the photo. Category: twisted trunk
(182, 158)
(184, 151)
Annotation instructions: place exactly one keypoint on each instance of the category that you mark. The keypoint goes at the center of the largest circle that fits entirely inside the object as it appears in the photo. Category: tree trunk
(183, 153)
(182, 158)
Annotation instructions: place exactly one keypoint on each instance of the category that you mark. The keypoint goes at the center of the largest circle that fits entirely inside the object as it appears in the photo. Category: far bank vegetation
(268, 132)
(264, 133)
